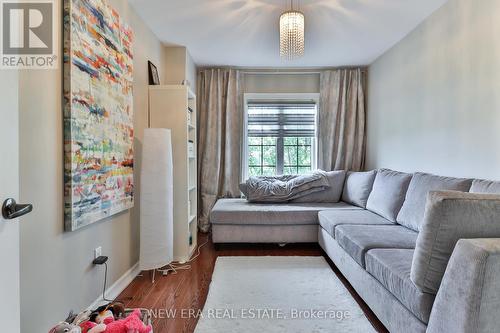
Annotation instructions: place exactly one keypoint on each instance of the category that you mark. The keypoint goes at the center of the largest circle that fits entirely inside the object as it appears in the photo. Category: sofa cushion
(329, 219)
(412, 212)
(358, 239)
(331, 194)
(485, 186)
(240, 211)
(391, 267)
(388, 193)
(450, 216)
(357, 187)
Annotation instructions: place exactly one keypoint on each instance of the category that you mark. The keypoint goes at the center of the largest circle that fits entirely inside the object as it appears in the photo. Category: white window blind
(282, 119)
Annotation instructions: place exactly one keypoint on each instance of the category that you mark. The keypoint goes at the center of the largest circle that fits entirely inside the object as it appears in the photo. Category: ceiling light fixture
(292, 34)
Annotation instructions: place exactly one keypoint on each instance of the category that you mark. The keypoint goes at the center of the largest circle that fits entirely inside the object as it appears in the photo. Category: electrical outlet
(97, 252)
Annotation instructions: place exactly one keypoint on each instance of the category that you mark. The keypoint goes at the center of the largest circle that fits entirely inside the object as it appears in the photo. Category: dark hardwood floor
(188, 288)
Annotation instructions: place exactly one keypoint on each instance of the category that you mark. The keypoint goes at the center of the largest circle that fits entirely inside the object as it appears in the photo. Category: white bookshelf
(168, 108)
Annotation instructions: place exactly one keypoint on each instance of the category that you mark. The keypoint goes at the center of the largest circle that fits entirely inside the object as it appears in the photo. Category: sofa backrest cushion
(331, 194)
(357, 187)
(388, 193)
(412, 212)
(450, 216)
(485, 186)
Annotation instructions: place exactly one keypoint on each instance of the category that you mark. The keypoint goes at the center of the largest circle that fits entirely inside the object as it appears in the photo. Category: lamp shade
(157, 190)
(292, 34)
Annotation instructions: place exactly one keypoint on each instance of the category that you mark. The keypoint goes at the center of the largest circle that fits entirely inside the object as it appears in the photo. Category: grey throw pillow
(412, 212)
(357, 187)
(485, 186)
(332, 193)
(388, 193)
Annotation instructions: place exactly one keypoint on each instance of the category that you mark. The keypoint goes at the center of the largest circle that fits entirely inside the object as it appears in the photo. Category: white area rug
(279, 294)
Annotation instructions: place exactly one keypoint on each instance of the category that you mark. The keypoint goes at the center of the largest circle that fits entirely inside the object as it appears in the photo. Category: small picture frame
(154, 78)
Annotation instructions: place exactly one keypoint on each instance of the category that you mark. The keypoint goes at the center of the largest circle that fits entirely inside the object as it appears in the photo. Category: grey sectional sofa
(423, 251)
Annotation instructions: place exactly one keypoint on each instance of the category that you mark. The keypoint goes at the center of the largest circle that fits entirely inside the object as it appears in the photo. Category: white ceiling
(245, 32)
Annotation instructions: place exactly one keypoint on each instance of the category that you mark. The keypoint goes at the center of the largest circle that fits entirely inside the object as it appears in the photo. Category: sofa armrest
(468, 300)
(451, 216)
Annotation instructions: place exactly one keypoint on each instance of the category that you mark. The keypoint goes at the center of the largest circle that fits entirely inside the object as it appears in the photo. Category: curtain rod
(264, 71)
(280, 72)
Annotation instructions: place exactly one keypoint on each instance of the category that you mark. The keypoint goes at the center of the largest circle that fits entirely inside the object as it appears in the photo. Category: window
(262, 156)
(280, 135)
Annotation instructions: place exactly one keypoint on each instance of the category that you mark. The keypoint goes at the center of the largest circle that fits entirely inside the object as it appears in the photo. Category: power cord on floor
(174, 267)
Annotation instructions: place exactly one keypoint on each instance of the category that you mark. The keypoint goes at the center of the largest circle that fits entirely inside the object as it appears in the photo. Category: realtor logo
(28, 34)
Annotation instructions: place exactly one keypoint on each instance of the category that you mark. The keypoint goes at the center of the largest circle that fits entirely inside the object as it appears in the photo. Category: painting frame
(154, 77)
(98, 113)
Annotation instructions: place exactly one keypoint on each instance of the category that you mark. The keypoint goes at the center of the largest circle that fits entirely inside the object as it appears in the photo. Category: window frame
(277, 97)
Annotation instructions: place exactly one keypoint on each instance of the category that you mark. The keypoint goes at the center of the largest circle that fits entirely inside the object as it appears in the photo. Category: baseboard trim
(116, 288)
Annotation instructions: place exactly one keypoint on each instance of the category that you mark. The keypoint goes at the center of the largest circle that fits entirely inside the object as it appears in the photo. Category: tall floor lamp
(156, 249)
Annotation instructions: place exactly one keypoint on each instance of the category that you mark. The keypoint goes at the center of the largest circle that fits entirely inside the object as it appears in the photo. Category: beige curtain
(342, 120)
(219, 138)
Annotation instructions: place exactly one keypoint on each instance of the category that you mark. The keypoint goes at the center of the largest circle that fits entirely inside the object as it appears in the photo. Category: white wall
(281, 83)
(434, 101)
(56, 271)
(178, 65)
(191, 71)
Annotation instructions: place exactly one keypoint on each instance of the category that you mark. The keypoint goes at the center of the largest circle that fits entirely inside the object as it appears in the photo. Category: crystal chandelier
(292, 34)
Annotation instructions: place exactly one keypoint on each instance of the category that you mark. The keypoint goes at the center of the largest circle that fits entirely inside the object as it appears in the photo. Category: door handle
(12, 210)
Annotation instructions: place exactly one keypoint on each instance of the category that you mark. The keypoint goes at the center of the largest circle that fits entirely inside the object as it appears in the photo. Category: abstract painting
(98, 113)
